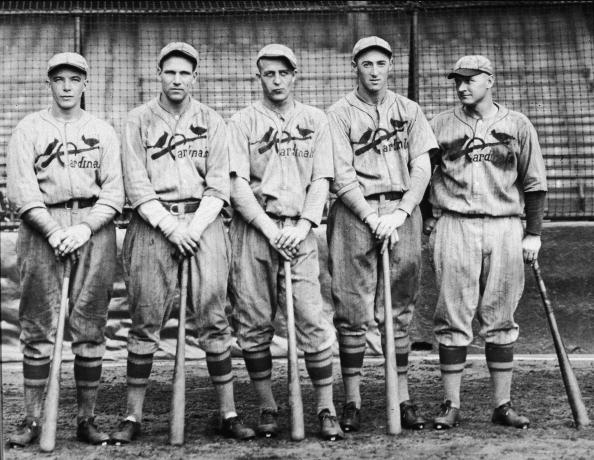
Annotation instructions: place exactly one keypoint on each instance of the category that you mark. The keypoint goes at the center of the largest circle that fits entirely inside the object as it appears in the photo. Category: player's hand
(371, 221)
(390, 242)
(195, 232)
(73, 238)
(289, 238)
(429, 225)
(388, 223)
(530, 247)
(181, 239)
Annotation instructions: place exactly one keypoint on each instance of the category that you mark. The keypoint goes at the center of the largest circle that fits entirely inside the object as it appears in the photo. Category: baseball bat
(47, 440)
(391, 377)
(295, 402)
(578, 409)
(178, 401)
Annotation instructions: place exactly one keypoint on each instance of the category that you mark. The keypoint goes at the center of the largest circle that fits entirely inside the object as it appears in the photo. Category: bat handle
(295, 400)
(391, 376)
(178, 402)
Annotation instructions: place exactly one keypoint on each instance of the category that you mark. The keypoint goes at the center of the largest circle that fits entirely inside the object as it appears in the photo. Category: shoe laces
(326, 415)
(28, 423)
(349, 410)
(233, 421)
(446, 407)
(268, 415)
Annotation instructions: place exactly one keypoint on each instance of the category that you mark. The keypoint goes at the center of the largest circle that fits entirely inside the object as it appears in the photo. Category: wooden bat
(47, 440)
(578, 409)
(392, 404)
(178, 401)
(295, 402)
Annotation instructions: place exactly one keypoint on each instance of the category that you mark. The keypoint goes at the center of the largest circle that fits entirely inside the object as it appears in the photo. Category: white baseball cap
(371, 42)
(469, 66)
(69, 59)
(276, 50)
(178, 47)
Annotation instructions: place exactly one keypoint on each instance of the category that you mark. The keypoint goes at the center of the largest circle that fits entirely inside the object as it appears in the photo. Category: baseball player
(176, 175)
(381, 168)
(65, 180)
(281, 163)
(489, 171)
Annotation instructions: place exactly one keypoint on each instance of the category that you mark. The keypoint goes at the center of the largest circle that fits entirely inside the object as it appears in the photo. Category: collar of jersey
(47, 116)
(354, 100)
(158, 109)
(470, 121)
(260, 107)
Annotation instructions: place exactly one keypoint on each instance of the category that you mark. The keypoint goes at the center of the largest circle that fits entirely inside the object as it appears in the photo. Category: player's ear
(159, 71)
(490, 81)
(354, 67)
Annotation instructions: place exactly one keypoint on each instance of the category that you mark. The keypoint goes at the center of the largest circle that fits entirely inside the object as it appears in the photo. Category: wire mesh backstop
(543, 53)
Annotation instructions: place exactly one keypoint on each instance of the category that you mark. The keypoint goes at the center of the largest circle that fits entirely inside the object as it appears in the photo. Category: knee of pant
(351, 326)
(141, 347)
(255, 343)
(37, 349)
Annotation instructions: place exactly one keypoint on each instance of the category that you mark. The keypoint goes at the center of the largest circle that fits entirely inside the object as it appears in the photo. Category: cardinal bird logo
(167, 143)
(372, 138)
(271, 138)
(55, 149)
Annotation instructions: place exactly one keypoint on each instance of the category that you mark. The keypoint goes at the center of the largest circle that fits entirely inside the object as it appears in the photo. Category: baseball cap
(178, 47)
(68, 59)
(276, 50)
(468, 66)
(371, 42)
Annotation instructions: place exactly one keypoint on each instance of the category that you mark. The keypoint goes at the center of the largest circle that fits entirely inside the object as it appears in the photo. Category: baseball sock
(87, 374)
(352, 352)
(319, 368)
(451, 362)
(259, 367)
(500, 361)
(138, 372)
(402, 370)
(221, 374)
(35, 376)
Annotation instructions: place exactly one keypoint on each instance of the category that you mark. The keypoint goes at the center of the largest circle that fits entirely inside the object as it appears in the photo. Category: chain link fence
(543, 54)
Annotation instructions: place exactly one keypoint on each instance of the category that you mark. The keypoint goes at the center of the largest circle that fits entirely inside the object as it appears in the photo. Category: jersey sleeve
(323, 163)
(239, 152)
(136, 181)
(420, 135)
(345, 176)
(217, 163)
(531, 167)
(110, 173)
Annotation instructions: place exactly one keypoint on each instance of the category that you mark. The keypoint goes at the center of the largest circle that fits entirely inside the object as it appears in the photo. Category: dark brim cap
(469, 66)
(464, 73)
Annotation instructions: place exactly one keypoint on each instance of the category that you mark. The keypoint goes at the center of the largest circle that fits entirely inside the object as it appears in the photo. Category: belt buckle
(174, 209)
(69, 204)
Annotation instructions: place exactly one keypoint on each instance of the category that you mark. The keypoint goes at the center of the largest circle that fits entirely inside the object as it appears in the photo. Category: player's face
(277, 79)
(472, 90)
(177, 78)
(67, 86)
(372, 68)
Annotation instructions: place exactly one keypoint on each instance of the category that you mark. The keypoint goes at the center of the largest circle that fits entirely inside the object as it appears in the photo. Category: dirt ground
(537, 390)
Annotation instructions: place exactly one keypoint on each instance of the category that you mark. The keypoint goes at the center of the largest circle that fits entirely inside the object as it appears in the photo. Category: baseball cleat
(233, 427)
(351, 417)
(409, 417)
(88, 432)
(507, 416)
(27, 433)
(448, 417)
(127, 432)
(329, 426)
(267, 424)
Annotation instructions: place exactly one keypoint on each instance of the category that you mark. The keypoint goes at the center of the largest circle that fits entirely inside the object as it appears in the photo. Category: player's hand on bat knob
(530, 248)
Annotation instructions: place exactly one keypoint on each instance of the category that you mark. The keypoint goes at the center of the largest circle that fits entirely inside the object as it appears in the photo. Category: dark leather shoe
(409, 417)
(127, 431)
(268, 424)
(351, 417)
(27, 433)
(329, 427)
(88, 432)
(506, 415)
(448, 417)
(233, 427)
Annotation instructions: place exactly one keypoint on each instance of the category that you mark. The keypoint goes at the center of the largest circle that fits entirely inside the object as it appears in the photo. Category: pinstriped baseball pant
(356, 269)
(258, 288)
(479, 269)
(152, 279)
(41, 285)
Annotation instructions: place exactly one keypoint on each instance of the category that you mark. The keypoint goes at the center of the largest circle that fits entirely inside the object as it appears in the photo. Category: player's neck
(65, 115)
(282, 107)
(483, 109)
(371, 98)
(175, 108)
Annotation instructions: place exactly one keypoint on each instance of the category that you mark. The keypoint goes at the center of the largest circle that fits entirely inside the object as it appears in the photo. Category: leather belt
(388, 196)
(181, 207)
(74, 204)
(276, 216)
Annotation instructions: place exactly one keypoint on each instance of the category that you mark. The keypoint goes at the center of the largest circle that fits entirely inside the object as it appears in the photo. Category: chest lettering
(77, 153)
(281, 142)
(382, 140)
(175, 144)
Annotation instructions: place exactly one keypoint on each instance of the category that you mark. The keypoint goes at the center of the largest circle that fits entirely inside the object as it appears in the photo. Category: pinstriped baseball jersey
(280, 157)
(485, 166)
(51, 161)
(175, 158)
(373, 145)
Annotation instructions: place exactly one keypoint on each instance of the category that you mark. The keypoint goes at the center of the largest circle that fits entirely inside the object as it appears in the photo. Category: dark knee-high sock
(87, 374)
(35, 375)
(221, 375)
(500, 360)
(451, 362)
(352, 352)
(259, 367)
(319, 368)
(138, 373)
